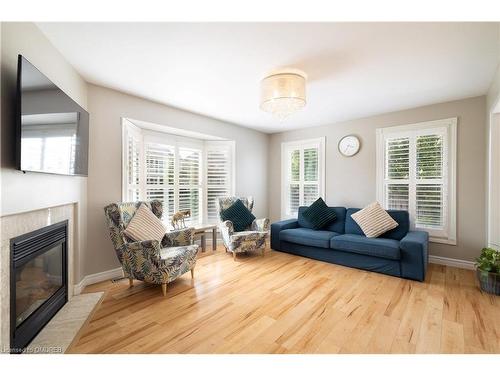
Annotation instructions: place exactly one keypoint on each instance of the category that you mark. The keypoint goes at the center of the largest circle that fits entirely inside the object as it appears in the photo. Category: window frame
(286, 149)
(447, 128)
(177, 142)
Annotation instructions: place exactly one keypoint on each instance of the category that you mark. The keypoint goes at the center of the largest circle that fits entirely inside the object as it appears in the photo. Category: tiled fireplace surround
(21, 223)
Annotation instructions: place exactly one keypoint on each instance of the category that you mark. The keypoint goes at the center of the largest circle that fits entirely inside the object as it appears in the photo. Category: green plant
(489, 260)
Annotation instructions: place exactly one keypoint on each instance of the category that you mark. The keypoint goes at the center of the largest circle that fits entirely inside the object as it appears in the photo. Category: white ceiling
(354, 69)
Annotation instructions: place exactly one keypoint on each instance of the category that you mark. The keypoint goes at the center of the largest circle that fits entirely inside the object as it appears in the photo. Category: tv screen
(52, 130)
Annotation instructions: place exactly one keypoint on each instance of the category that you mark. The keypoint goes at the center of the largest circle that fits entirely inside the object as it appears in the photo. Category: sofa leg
(130, 282)
(262, 252)
(192, 273)
(164, 289)
(234, 255)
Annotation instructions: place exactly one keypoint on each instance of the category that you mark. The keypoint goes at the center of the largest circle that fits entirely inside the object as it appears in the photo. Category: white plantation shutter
(294, 197)
(431, 187)
(218, 176)
(160, 175)
(416, 169)
(311, 175)
(397, 173)
(189, 177)
(302, 168)
(132, 154)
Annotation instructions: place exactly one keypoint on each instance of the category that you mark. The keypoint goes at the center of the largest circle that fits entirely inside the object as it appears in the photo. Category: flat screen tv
(52, 130)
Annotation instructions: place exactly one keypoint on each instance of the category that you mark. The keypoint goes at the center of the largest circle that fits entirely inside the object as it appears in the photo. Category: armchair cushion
(144, 226)
(239, 215)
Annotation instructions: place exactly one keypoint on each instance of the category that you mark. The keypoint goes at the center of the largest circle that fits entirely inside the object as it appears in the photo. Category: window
(416, 172)
(184, 173)
(302, 166)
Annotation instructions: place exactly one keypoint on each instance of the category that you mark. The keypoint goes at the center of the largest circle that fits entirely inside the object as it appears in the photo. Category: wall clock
(349, 145)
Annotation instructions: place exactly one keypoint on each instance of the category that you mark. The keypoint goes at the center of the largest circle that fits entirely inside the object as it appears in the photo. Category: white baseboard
(97, 278)
(468, 265)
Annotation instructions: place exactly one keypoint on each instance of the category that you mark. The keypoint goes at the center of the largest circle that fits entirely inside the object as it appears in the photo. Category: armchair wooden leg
(192, 273)
(164, 289)
(262, 252)
(130, 282)
(234, 255)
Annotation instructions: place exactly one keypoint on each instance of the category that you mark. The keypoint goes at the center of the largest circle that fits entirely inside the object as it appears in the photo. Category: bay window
(184, 173)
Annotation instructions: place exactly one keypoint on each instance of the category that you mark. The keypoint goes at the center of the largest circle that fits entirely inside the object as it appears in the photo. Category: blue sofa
(398, 252)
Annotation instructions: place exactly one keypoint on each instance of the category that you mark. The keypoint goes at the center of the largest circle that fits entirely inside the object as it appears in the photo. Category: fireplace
(38, 281)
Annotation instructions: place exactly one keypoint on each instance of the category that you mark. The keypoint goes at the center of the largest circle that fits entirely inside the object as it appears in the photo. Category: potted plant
(488, 270)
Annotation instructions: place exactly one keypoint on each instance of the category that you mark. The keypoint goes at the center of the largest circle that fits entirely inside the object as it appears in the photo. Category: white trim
(493, 179)
(450, 124)
(97, 278)
(458, 263)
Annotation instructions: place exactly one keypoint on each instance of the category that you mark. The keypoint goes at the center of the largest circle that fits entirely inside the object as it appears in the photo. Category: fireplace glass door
(38, 280)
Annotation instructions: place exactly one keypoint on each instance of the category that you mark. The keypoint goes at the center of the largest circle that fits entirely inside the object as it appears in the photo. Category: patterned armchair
(252, 239)
(150, 261)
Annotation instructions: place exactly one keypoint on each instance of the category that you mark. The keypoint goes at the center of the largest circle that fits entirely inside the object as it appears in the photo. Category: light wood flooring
(282, 303)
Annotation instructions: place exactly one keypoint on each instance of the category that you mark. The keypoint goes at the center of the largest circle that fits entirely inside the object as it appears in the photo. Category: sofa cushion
(359, 244)
(318, 214)
(335, 226)
(307, 236)
(239, 215)
(374, 220)
(400, 216)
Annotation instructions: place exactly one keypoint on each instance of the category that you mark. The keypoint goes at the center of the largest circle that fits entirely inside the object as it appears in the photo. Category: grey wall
(107, 107)
(26, 192)
(351, 181)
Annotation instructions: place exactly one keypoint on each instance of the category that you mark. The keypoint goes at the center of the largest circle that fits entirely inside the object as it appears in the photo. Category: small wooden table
(202, 230)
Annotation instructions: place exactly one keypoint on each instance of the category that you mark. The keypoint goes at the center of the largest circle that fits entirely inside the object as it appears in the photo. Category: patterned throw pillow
(374, 220)
(145, 225)
(239, 215)
(319, 214)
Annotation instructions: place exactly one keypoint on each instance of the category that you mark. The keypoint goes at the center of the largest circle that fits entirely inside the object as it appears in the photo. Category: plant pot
(489, 282)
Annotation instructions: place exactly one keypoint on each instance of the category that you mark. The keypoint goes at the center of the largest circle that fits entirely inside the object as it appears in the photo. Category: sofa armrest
(414, 255)
(277, 227)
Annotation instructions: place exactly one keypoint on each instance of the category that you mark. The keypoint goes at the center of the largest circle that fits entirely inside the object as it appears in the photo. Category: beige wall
(351, 181)
(31, 191)
(107, 107)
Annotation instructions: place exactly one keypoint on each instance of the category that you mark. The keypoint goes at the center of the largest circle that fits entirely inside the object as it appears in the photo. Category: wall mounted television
(52, 130)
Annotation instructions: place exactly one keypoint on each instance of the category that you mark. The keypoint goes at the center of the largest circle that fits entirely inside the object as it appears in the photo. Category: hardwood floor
(282, 303)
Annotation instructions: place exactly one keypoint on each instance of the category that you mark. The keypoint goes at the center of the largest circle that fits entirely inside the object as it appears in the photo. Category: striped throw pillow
(374, 220)
(145, 226)
(239, 215)
(319, 214)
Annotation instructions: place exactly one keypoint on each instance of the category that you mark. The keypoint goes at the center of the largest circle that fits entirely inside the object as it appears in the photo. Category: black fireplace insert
(38, 281)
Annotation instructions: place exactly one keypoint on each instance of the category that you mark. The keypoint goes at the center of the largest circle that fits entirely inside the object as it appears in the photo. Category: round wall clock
(349, 145)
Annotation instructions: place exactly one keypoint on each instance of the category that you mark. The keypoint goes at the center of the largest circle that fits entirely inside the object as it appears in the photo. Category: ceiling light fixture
(283, 92)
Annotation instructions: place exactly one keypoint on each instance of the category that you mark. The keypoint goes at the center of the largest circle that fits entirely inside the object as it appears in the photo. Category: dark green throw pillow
(239, 215)
(319, 214)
